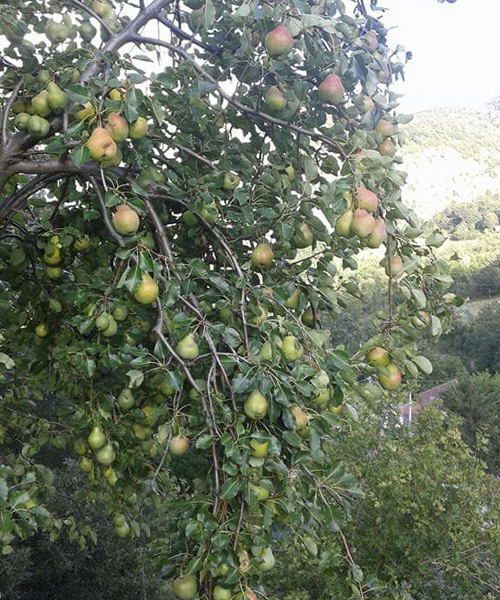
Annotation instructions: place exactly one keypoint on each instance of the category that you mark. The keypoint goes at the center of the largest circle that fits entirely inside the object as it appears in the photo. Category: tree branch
(90, 12)
(8, 106)
(105, 216)
(186, 36)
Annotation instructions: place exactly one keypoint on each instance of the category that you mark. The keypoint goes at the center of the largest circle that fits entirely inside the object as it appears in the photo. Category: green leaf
(424, 364)
(230, 489)
(6, 361)
(204, 441)
(79, 155)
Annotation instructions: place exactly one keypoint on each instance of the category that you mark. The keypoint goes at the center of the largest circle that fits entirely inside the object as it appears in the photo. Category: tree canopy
(171, 201)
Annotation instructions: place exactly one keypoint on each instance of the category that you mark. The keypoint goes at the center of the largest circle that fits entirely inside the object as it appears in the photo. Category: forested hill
(451, 155)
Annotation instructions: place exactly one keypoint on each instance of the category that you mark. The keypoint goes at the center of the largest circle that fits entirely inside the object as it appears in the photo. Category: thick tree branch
(18, 197)
(7, 108)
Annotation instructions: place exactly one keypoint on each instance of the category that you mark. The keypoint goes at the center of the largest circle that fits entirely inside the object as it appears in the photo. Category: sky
(455, 51)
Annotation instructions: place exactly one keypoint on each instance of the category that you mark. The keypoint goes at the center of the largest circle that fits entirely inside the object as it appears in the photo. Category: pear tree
(184, 190)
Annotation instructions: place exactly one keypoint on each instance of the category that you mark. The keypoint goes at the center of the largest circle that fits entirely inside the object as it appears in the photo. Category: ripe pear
(278, 42)
(304, 236)
(101, 145)
(179, 445)
(394, 266)
(343, 224)
(249, 595)
(106, 455)
(378, 357)
(147, 291)
(38, 126)
(255, 405)
(387, 148)
(300, 417)
(379, 234)
(117, 127)
(52, 254)
(391, 381)
(308, 317)
(367, 200)
(41, 330)
(262, 255)
(125, 220)
(96, 439)
(385, 128)
(87, 31)
(231, 181)
(268, 560)
(363, 223)
(187, 347)
(330, 90)
(106, 163)
(274, 99)
(86, 111)
(40, 104)
(138, 129)
(259, 450)
(291, 348)
(56, 98)
(126, 399)
(185, 587)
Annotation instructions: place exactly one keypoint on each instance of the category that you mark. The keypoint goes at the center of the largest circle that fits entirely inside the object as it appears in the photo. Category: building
(409, 410)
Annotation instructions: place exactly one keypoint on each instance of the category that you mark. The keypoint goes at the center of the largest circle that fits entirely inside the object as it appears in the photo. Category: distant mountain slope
(451, 155)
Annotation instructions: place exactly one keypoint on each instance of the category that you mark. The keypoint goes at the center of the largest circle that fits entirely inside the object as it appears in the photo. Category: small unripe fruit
(187, 347)
(185, 587)
(378, 357)
(255, 405)
(41, 330)
(262, 256)
(147, 291)
(304, 236)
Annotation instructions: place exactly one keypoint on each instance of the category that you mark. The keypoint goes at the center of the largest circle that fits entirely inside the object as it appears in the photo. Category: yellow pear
(101, 145)
(117, 127)
(125, 220)
(40, 104)
(86, 111)
(56, 97)
(187, 347)
(147, 291)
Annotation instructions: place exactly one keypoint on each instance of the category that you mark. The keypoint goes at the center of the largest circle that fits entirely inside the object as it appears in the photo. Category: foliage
(121, 334)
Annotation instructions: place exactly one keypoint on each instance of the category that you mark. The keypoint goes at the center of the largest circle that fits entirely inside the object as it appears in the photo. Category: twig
(186, 36)
(105, 216)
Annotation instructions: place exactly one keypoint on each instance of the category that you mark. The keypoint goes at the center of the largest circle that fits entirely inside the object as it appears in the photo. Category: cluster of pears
(107, 323)
(31, 117)
(108, 14)
(386, 130)
(389, 375)
(52, 258)
(361, 222)
(102, 142)
(279, 43)
(103, 453)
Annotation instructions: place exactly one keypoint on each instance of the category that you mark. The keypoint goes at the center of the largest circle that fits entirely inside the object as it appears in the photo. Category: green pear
(304, 236)
(40, 103)
(266, 352)
(41, 330)
(187, 347)
(261, 492)
(231, 181)
(22, 120)
(56, 32)
(96, 439)
(123, 530)
(343, 224)
(38, 126)
(53, 272)
(255, 405)
(185, 587)
(394, 266)
(378, 357)
(291, 349)
(308, 317)
(126, 399)
(87, 31)
(106, 455)
(268, 560)
(138, 129)
(56, 98)
(292, 301)
(259, 450)
(221, 593)
(120, 312)
(102, 322)
(111, 329)
(52, 254)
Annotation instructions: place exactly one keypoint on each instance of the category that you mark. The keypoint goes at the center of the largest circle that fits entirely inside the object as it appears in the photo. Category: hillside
(451, 155)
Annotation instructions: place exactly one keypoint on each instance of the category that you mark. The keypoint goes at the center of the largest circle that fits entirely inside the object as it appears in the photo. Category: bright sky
(455, 51)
